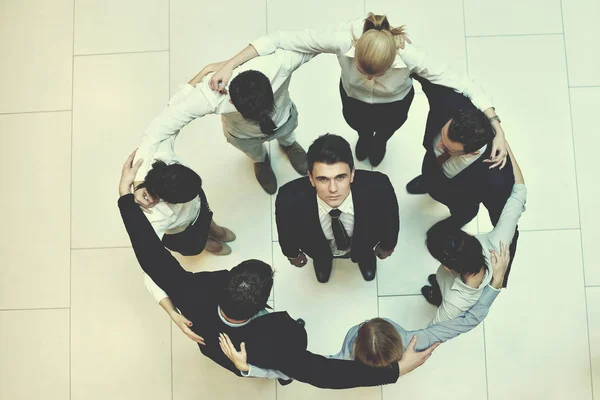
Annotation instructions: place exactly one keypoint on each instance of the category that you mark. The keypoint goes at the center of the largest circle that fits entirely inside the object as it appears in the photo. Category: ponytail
(267, 126)
(377, 47)
(173, 183)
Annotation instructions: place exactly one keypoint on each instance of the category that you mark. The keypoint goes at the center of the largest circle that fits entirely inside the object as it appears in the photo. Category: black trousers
(380, 119)
(192, 240)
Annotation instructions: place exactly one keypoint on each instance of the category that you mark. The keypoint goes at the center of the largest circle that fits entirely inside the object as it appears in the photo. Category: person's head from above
(376, 49)
(466, 132)
(455, 249)
(331, 168)
(252, 95)
(174, 183)
(247, 290)
(378, 343)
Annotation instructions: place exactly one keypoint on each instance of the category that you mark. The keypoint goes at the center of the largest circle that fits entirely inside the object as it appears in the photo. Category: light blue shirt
(440, 332)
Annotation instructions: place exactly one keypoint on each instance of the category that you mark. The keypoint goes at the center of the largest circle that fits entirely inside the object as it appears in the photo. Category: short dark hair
(329, 149)
(455, 248)
(247, 290)
(252, 95)
(174, 183)
(471, 128)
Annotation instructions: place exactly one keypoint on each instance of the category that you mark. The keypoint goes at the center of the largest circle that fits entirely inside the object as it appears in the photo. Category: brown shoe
(265, 175)
(224, 251)
(297, 157)
(227, 236)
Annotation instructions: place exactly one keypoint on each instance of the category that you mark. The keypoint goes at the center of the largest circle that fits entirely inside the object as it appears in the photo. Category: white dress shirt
(394, 85)
(346, 217)
(195, 102)
(455, 164)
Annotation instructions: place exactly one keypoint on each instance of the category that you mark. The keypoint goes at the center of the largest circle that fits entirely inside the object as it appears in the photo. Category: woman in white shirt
(375, 86)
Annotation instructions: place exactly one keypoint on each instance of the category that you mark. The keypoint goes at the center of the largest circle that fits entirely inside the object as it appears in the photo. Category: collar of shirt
(398, 62)
(347, 206)
(231, 324)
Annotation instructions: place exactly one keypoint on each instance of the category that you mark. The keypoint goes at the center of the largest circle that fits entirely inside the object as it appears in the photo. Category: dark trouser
(380, 119)
(192, 240)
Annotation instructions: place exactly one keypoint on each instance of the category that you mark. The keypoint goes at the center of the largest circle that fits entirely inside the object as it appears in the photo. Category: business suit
(477, 183)
(278, 342)
(376, 218)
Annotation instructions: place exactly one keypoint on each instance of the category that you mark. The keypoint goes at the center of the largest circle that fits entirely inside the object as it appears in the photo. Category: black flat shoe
(431, 295)
(377, 152)
(433, 280)
(363, 146)
(323, 269)
(417, 186)
(368, 269)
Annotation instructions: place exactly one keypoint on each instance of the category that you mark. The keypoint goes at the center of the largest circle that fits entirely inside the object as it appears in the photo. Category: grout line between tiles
(578, 201)
(119, 53)
(168, 97)
(512, 35)
(35, 309)
(36, 112)
(583, 86)
(71, 204)
(487, 383)
(101, 248)
(549, 230)
(399, 295)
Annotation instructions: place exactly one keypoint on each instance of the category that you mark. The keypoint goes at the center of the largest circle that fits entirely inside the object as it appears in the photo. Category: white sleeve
(154, 289)
(441, 73)
(507, 223)
(185, 106)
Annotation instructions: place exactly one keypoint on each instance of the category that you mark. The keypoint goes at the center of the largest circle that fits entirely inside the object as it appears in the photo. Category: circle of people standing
(333, 210)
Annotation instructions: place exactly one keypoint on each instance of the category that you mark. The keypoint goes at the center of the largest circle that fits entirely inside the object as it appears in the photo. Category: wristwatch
(495, 118)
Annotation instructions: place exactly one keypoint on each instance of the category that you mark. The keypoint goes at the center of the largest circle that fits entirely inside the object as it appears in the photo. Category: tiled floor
(80, 80)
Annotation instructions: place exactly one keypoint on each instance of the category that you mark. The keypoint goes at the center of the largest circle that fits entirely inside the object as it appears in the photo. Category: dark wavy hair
(174, 183)
(329, 149)
(247, 290)
(455, 249)
(471, 128)
(252, 95)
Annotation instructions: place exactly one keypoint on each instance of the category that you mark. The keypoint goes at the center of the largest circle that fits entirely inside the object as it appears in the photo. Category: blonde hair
(377, 47)
(378, 343)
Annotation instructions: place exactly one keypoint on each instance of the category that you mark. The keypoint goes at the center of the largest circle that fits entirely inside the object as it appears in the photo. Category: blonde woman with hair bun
(377, 60)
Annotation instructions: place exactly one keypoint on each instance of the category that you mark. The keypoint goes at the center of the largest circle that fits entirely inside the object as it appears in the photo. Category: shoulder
(297, 187)
(374, 180)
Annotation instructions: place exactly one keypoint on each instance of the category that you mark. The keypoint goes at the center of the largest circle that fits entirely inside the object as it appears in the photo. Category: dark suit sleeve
(152, 255)
(285, 227)
(390, 216)
(497, 190)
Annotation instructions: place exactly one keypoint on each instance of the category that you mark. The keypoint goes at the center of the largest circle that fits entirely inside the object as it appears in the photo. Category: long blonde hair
(377, 47)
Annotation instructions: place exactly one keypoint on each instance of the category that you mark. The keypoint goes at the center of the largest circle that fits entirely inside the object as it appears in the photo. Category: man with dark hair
(465, 260)
(234, 302)
(337, 212)
(455, 171)
(257, 109)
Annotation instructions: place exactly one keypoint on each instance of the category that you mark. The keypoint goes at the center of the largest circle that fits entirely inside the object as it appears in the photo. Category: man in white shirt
(337, 212)
(257, 109)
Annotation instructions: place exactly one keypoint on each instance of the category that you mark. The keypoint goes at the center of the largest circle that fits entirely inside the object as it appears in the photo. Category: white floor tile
(290, 15)
(37, 48)
(523, 340)
(512, 17)
(201, 35)
(35, 162)
(116, 97)
(593, 310)
(344, 301)
(120, 339)
(408, 267)
(580, 19)
(584, 106)
(436, 27)
(464, 353)
(35, 354)
(198, 377)
(534, 111)
(113, 26)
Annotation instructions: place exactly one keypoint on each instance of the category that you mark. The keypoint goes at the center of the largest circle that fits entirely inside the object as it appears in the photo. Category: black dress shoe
(284, 382)
(368, 268)
(417, 186)
(323, 269)
(431, 295)
(377, 151)
(300, 322)
(433, 280)
(363, 146)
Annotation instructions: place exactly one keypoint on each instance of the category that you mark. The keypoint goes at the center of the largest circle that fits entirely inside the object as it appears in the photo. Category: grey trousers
(255, 148)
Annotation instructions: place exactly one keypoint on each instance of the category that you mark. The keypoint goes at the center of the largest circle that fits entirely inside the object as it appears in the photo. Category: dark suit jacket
(476, 183)
(376, 217)
(274, 341)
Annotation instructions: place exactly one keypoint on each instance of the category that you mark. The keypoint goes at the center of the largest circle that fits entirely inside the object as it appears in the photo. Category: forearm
(205, 71)
(169, 307)
(240, 58)
(516, 169)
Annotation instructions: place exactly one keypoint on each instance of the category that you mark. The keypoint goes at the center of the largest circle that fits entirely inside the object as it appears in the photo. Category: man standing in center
(337, 212)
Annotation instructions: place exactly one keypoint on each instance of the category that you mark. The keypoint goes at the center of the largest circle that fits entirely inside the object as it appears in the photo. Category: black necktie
(342, 240)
